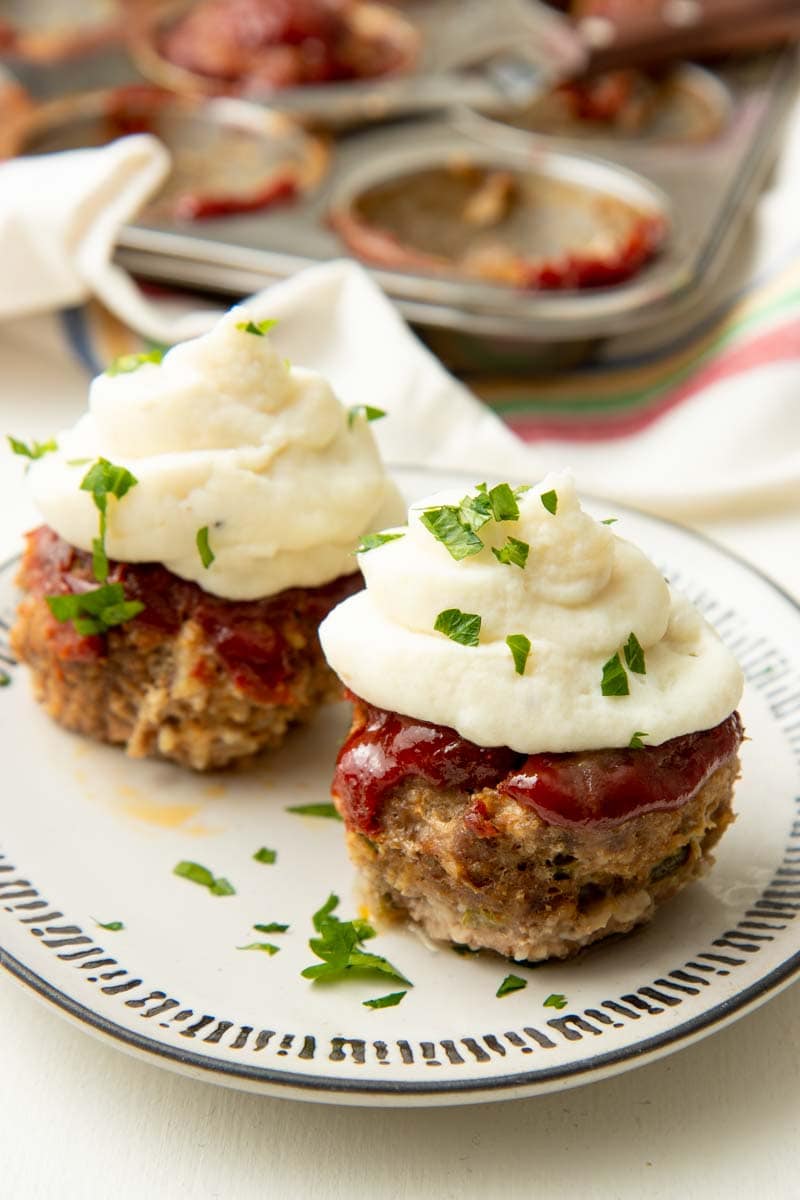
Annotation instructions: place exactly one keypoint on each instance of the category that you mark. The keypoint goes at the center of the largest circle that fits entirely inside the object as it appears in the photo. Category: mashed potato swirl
(581, 594)
(223, 434)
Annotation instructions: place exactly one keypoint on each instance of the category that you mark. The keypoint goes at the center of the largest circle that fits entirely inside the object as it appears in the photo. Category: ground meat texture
(477, 866)
(194, 678)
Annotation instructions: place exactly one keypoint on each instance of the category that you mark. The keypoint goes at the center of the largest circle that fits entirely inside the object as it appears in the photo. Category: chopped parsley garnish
(316, 810)
(265, 947)
(456, 525)
(339, 945)
(97, 611)
(78, 462)
(111, 926)
(615, 681)
(514, 552)
(511, 983)
(520, 648)
(550, 501)
(363, 410)
(207, 555)
(36, 450)
(504, 503)
(610, 521)
(104, 479)
(389, 1001)
(636, 742)
(445, 524)
(459, 626)
(222, 887)
(125, 363)
(265, 855)
(5, 679)
(271, 927)
(259, 328)
(634, 655)
(475, 511)
(555, 1000)
(371, 541)
(197, 874)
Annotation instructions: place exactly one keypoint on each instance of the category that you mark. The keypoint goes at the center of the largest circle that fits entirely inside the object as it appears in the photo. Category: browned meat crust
(193, 679)
(524, 888)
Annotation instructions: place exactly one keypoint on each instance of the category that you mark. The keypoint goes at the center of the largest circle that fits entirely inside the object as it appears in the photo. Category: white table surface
(79, 1119)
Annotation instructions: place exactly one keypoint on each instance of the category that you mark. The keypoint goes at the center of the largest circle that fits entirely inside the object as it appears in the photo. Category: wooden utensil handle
(624, 34)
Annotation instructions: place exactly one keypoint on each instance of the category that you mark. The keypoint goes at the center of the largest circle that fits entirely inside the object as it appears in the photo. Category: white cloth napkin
(60, 215)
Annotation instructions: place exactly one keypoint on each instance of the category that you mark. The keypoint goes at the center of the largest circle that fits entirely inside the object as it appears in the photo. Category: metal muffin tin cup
(690, 105)
(224, 150)
(583, 175)
(451, 51)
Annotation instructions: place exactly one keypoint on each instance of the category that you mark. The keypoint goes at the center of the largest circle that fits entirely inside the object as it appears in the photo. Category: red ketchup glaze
(249, 637)
(384, 748)
(263, 45)
(199, 206)
(612, 785)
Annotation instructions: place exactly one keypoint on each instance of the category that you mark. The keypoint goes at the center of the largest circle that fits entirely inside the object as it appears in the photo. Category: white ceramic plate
(87, 834)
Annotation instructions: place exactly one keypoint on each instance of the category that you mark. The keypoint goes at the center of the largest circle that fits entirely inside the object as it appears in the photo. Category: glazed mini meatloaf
(545, 736)
(199, 521)
(193, 678)
(532, 857)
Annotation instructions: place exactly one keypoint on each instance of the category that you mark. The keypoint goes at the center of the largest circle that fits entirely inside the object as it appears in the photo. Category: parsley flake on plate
(198, 874)
(550, 501)
(35, 450)
(459, 626)
(390, 1001)
(514, 552)
(257, 328)
(265, 855)
(520, 648)
(634, 655)
(315, 810)
(104, 479)
(124, 364)
(111, 926)
(511, 983)
(94, 612)
(555, 1000)
(339, 945)
(207, 555)
(610, 521)
(636, 742)
(5, 678)
(271, 927)
(371, 541)
(264, 947)
(614, 681)
(363, 410)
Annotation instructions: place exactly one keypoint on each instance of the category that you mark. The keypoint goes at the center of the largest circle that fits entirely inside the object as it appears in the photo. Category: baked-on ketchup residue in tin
(384, 748)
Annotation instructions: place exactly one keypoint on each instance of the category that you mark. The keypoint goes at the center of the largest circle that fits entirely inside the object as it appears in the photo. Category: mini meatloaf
(193, 678)
(535, 856)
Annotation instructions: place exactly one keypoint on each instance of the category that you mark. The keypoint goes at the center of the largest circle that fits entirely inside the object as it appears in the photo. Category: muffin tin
(695, 183)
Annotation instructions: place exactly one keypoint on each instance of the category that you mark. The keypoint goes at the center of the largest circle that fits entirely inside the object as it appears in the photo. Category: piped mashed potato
(580, 595)
(223, 434)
